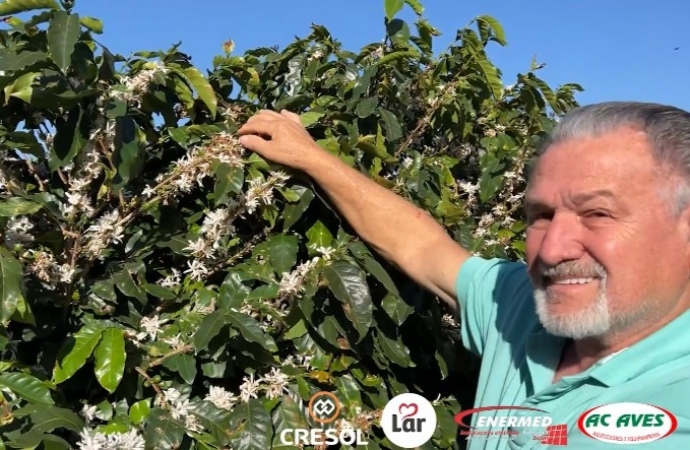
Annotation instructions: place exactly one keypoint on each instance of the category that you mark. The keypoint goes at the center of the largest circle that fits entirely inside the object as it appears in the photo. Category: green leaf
(21, 88)
(75, 351)
(184, 364)
(93, 24)
(70, 138)
(127, 157)
(250, 330)
(256, 432)
(282, 252)
(139, 411)
(396, 56)
(489, 28)
(48, 419)
(218, 421)
(110, 357)
(293, 212)
(310, 118)
(366, 107)
(394, 350)
(288, 415)
(63, 34)
(490, 72)
(209, 328)
(203, 88)
(163, 431)
(11, 273)
(10, 61)
(27, 387)
(392, 125)
(16, 206)
(392, 7)
(416, 5)
(319, 235)
(348, 284)
(232, 292)
(9, 7)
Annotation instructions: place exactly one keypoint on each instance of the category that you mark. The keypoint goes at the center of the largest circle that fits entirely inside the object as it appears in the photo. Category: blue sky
(618, 50)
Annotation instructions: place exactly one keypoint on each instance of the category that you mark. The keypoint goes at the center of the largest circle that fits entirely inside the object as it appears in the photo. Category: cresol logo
(627, 423)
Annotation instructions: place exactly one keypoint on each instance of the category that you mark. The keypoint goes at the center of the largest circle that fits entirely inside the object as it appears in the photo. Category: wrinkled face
(604, 251)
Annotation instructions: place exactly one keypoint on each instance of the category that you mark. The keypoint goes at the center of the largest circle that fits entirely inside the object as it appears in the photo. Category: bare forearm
(385, 220)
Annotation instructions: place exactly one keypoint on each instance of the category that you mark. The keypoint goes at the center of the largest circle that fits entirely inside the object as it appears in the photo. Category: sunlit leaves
(198, 292)
(63, 35)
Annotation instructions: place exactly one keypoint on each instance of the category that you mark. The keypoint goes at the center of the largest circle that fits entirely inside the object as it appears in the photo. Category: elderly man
(598, 313)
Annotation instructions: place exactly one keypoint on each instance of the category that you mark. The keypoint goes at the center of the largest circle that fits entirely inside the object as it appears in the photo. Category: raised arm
(398, 230)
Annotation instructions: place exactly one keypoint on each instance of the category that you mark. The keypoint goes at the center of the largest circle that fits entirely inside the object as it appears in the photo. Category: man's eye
(597, 213)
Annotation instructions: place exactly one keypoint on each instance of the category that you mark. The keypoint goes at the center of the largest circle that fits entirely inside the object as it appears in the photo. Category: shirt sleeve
(482, 285)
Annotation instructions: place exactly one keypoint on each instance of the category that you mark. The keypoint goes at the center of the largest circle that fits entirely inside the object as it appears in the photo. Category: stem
(183, 349)
(146, 376)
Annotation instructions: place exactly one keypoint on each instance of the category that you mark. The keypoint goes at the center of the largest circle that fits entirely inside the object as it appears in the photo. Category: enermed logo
(627, 422)
(323, 410)
(409, 420)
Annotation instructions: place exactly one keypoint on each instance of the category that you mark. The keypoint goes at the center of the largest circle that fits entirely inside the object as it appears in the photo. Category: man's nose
(561, 241)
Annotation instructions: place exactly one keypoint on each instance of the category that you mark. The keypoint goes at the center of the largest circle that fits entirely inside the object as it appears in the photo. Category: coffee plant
(163, 288)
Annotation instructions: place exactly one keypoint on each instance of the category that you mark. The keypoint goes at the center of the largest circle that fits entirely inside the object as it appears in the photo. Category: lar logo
(409, 420)
(627, 423)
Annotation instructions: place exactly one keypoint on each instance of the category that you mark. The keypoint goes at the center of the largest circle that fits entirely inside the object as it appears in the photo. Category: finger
(292, 116)
(257, 122)
(269, 113)
(255, 143)
(262, 127)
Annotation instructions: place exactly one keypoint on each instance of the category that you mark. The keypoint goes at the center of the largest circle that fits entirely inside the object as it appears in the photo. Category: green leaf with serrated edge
(250, 330)
(110, 357)
(203, 88)
(209, 328)
(16, 206)
(11, 273)
(75, 351)
(63, 34)
(8, 7)
(27, 387)
(256, 432)
(348, 284)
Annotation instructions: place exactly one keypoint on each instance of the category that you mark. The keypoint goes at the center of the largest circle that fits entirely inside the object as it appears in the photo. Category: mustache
(572, 269)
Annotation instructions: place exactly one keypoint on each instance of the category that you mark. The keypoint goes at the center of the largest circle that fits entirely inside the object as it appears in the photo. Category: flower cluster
(132, 88)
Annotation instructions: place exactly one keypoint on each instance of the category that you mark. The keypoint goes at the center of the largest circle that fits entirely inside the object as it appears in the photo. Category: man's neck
(582, 354)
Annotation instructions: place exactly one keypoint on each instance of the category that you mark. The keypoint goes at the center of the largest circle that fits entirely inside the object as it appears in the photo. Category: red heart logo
(410, 409)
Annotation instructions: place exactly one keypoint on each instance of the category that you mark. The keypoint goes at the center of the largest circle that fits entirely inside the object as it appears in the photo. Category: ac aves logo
(629, 423)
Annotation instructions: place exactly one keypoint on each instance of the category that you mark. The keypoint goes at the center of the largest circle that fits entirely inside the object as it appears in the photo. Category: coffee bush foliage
(161, 287)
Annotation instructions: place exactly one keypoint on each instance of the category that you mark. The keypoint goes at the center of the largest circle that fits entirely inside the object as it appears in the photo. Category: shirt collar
(668, 344)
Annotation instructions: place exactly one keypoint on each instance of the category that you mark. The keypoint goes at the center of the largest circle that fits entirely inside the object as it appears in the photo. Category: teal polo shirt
(519, 360)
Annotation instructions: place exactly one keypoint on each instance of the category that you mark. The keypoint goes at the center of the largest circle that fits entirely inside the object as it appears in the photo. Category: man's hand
(281, 138)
